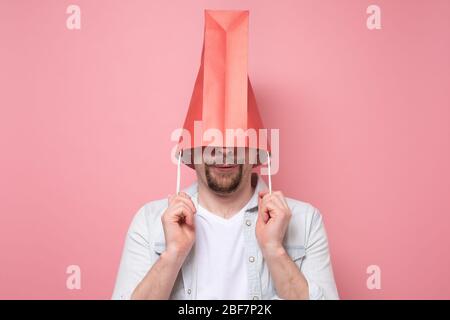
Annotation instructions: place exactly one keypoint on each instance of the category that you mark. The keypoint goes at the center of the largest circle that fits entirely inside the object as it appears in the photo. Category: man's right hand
(179, 231)
(179, 225)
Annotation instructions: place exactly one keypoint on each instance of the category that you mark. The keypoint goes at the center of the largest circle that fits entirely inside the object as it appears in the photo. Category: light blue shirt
(305, 241)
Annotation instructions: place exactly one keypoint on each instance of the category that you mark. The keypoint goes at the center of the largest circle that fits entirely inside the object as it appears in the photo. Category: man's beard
(223, 183)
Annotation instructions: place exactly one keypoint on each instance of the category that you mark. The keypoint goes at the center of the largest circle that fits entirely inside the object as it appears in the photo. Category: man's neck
(225, 205)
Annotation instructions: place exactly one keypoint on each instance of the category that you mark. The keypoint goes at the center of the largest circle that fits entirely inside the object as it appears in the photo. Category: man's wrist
(273, 252)
(174, 257)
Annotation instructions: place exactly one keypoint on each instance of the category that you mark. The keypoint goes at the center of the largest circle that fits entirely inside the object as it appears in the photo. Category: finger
(183, 213)
(183, 194)
(189, 218)
(266, 199)
(278, 201)
(262, 194)
(281, 197)
(186, 201)
(177, 195)
(271, 206)
(263, 211)
(175, 213)
(170, 198)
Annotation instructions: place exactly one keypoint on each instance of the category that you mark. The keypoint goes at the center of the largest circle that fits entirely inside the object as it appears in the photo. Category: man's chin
(223, 179)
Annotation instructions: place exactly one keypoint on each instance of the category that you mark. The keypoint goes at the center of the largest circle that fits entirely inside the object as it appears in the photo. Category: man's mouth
(224, 167)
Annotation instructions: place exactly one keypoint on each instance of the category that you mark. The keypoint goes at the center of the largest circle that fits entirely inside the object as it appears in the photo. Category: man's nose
(226, 155)
(225, 151)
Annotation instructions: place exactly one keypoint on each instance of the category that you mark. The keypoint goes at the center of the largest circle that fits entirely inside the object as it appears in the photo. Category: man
(277, 249)
(227, 236)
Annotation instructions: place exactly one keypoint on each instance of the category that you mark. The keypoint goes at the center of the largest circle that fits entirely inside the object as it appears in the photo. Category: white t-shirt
(220, 256)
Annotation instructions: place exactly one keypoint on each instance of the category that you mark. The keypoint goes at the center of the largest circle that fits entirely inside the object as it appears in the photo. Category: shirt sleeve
(315, 292)
(135, 261)
(316, 266)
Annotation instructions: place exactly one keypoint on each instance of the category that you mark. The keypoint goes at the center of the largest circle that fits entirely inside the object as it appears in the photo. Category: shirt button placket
(251, 246)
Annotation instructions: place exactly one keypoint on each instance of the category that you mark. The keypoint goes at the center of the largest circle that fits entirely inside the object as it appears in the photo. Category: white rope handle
(268, 172)
(178, 172)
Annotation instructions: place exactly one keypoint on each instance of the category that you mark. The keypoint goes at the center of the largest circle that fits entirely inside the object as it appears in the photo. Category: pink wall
(86, 117)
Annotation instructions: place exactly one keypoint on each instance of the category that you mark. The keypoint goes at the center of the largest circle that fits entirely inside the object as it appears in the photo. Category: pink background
(86, 117)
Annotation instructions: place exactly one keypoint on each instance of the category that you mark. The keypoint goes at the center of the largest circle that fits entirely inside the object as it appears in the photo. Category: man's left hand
(273, 219)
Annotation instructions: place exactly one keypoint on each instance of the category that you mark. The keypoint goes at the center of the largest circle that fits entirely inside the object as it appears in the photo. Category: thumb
(261, 194)
(262, 211)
